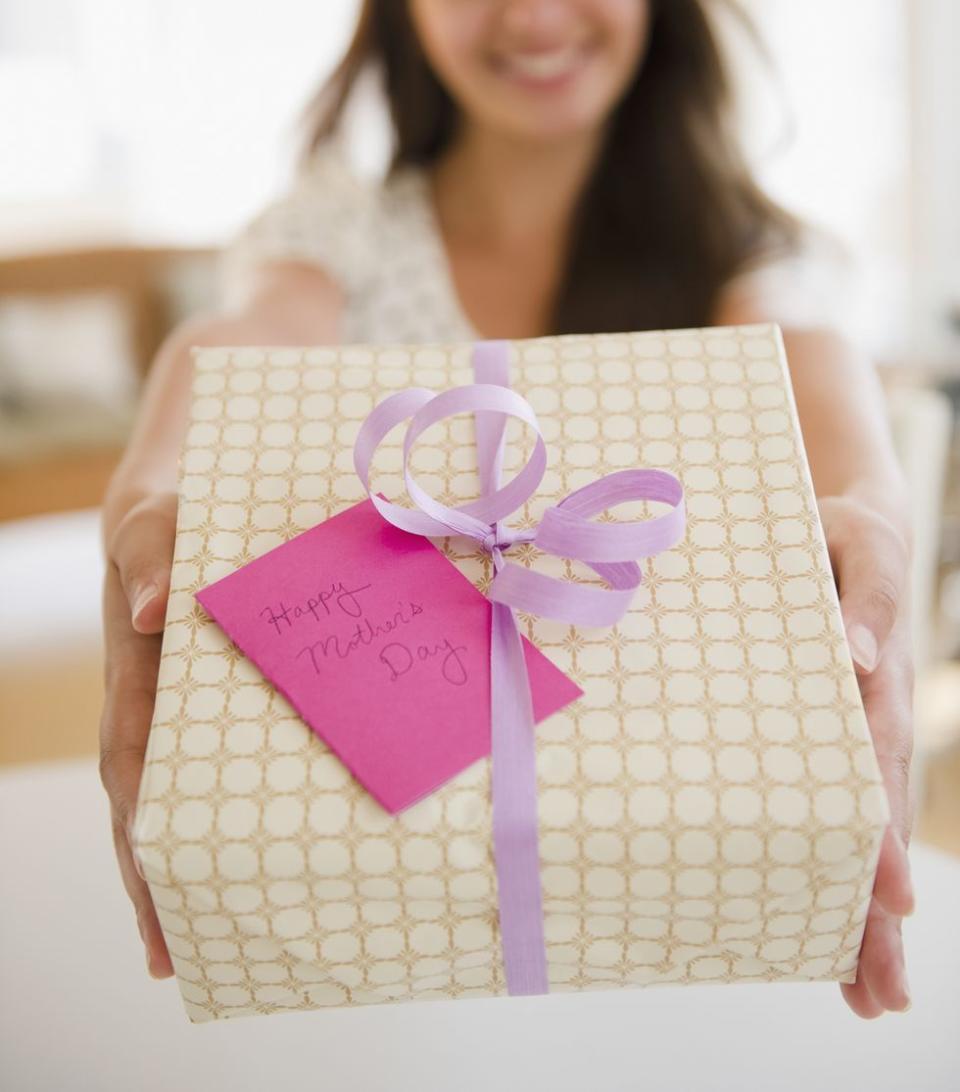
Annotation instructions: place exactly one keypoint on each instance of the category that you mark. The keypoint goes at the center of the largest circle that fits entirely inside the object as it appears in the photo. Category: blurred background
(137, 136)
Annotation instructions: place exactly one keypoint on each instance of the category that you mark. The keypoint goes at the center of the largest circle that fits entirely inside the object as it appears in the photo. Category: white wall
(832, 141)
(163, 119)
(174, 121)
(935, 145)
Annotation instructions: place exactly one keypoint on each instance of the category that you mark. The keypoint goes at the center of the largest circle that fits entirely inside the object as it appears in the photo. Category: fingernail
(907, 870)
(906, 992)
(913, 905)
(144, 596)
(149, 965)
(863, 646)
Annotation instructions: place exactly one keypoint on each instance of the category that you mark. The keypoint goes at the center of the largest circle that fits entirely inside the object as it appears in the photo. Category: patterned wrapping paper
(711, 810)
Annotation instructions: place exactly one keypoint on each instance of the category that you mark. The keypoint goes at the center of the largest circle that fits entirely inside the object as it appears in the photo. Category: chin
(552, 130)
(550, 125)
(548, 117)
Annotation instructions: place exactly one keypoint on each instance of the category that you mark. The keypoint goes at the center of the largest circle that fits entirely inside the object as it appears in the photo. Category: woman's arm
(857, 479)
(843, 417)
(291, 304)
(861, 495)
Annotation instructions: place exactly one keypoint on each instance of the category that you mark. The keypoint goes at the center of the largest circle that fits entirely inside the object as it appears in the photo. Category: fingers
(881, 983)
(141, 548)
(893, 887)
(887, 697)
(132, 660)
(159, 963)
(882, 961)
(131, 663)
(871, 564)
(860, 999)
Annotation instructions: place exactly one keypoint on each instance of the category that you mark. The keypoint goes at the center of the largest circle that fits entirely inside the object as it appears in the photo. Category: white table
(78, 1010)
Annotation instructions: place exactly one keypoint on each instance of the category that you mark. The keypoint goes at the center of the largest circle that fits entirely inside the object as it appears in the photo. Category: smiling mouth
(544, 67)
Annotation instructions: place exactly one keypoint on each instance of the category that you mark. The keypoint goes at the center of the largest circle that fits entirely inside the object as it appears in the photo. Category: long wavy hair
(671, 212)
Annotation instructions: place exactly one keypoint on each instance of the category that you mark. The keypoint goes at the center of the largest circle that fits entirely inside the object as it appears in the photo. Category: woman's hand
(871, 564)
(137, 582)
(290, 303)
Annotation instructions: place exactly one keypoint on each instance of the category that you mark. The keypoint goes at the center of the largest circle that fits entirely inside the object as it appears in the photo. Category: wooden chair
(155, 286)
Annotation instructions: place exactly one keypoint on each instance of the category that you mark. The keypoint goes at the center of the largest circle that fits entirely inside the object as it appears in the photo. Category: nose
(536, 22)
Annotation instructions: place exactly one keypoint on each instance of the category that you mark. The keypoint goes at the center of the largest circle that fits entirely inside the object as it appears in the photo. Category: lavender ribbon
(565, 530)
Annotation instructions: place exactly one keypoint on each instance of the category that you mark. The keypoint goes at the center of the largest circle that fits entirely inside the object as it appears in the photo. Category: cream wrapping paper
(711, 810)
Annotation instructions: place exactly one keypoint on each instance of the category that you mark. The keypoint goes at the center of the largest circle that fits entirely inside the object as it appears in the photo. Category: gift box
(709, 808)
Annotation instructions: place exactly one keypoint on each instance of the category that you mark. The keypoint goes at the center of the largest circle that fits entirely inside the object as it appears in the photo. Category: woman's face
(535, 69)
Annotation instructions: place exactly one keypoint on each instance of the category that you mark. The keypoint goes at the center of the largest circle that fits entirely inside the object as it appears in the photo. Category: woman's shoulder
(329, 178)
(331, 215)
(811, 283)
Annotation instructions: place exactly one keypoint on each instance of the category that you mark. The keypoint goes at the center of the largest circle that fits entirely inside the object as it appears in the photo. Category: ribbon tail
(491, 364)
(515, 819)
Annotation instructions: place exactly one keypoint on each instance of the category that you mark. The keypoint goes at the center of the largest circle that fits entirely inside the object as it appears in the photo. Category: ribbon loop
(562, 600)
(566, 530)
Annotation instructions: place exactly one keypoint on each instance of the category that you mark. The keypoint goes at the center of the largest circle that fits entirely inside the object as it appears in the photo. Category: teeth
(543, 66)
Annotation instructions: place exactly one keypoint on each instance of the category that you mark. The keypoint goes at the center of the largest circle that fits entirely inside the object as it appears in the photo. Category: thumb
(871, 573)
(142, 550)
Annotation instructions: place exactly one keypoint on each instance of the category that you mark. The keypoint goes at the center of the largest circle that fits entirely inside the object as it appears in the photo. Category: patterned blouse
(380, 241)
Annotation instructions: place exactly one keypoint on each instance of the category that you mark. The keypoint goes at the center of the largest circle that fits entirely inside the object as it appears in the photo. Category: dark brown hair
(671, 212)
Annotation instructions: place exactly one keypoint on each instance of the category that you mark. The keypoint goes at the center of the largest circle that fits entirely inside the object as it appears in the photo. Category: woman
(560, 166)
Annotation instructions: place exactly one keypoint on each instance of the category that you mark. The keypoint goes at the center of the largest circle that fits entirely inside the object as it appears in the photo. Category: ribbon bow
(565, 530)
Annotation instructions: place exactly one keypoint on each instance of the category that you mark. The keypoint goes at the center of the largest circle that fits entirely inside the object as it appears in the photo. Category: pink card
(383, 647)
